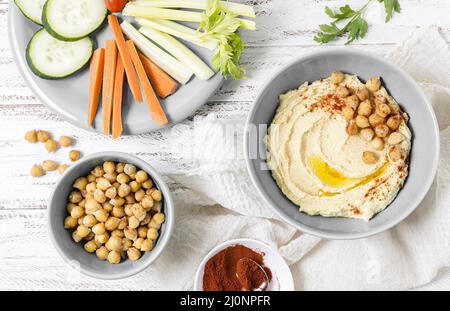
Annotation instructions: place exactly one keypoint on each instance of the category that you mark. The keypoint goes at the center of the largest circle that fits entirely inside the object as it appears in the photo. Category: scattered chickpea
(112, 223)
(65, 141)
(37, 171)
(133, 222)
(342, 91)
(373, 84)
(147, 202)
(348, 113)
(152, 234)
(120, 167)
(102, 253)
(92, 206)
(142, 232)
(368, 134)
(375, 119)
(89, 221)
(365, 108)
(131, 233)
(124, 190)
(395, 153)
(43, 136)
(363, 94)
(378, 100)
(337, 77)
(51, 145)
(133, 253)
(138, 243)
(31, 136)
(123, 178)
(99, 228)
(114, 243)
(147, 245)
(130, 169)
(159, 218)
(369, 157)
(62, 168)
(352, 101)
(90, 247)
(99, 196)
(102, 238)
(75, 197)
(74, 155)
(381, 130)
(362, 121)
(114, 257)
(82, 231)
(394, 122)
(70, 222)
(383, 110)
(80, 183)
(395, 138)
(378, 143)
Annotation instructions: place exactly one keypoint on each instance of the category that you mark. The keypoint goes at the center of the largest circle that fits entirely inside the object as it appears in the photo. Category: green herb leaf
(391, 6)
(220, 24)
(356, 26)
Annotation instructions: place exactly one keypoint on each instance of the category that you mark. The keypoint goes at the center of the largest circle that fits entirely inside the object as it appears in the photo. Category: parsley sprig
(354, 25)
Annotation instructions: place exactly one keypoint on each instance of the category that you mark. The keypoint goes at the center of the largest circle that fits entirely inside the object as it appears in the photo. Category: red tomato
(115, 5)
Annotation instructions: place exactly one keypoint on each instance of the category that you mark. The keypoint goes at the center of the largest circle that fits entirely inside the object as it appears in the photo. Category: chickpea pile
(38, 170)
(372, 116)
(116, 210)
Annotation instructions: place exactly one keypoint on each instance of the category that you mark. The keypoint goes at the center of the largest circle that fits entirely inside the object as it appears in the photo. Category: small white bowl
(281, 274)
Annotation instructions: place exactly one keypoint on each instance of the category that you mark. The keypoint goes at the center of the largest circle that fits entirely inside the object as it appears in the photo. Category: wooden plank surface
(285, 30)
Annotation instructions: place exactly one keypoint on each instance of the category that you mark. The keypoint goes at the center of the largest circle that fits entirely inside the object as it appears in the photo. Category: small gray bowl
(425, 144)
(73, 253)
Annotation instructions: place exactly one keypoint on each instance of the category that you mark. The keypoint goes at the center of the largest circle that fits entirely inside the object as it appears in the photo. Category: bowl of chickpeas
(110, 215)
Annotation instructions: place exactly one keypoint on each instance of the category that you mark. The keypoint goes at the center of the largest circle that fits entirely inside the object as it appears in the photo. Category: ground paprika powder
(233, 269)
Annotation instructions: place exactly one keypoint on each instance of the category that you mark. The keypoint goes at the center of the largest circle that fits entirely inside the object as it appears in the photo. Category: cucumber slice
(31, 9)
(71, 20)
(50, 58)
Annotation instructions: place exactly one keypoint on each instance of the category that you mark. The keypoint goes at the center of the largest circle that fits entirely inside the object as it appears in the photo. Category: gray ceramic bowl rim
(162, 242)
(311, 230)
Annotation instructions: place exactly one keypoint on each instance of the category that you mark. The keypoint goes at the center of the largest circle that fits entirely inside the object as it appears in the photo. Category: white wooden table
(285, 30)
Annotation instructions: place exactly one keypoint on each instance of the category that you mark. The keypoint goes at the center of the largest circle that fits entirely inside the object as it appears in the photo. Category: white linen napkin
(218, 202)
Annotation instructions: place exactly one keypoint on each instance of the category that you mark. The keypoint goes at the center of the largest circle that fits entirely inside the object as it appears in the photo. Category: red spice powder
(229, 270)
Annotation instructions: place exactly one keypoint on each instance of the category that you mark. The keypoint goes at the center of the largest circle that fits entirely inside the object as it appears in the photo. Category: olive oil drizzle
(335, 179)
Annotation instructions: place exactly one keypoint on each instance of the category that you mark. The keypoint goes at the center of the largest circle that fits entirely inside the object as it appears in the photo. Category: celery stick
(236, 8)
(179, 31)
(180, 51)
(134, 10)
(165, 61)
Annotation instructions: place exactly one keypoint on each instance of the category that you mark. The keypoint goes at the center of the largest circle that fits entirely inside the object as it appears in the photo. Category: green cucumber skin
(26, 16)
(43, 75)
(56, 35)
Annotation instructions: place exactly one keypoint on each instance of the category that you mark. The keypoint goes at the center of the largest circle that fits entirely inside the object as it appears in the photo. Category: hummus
(319, 166)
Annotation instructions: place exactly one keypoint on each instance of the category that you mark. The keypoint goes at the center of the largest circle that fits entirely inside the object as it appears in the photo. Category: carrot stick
(108, 84)
(117, 103)
(163, 83)
(152, 101)
(95, 82)
(126, 58)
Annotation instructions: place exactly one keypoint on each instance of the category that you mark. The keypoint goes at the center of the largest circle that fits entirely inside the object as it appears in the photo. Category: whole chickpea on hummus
(338, 147)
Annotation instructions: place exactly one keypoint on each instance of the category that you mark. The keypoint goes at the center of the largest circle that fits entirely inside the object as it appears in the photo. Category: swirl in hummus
(338, 147)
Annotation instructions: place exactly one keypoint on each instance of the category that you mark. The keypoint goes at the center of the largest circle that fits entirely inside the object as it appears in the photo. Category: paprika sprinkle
(236, 268)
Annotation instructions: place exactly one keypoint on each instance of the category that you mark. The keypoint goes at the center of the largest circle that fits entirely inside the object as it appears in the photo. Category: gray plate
(69, 97)
(424, 155)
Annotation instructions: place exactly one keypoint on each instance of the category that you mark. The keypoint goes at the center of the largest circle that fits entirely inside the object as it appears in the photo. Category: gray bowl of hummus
(342, 144)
